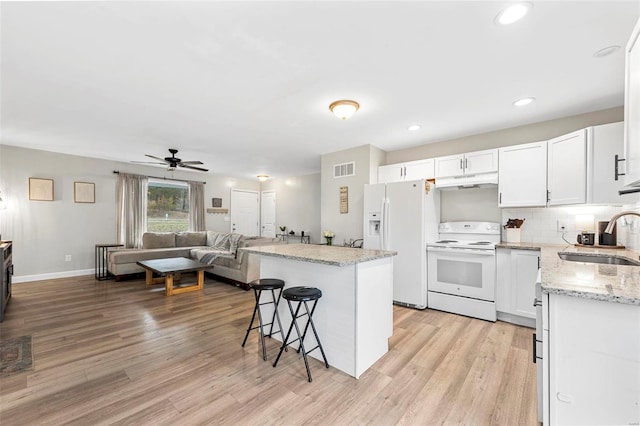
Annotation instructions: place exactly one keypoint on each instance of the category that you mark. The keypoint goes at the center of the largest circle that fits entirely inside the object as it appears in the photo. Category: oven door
(462, 272)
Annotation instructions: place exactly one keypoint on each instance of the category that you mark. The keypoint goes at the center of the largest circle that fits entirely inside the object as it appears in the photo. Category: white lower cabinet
(592, 349)
(517, 270)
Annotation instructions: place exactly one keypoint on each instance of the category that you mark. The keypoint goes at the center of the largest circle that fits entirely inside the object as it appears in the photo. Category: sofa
(218, 249)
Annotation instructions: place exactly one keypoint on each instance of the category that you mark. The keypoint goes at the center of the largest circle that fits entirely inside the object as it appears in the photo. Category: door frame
(275, 198)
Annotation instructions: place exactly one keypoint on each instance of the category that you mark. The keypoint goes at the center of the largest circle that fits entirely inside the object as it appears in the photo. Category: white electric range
(461, 269)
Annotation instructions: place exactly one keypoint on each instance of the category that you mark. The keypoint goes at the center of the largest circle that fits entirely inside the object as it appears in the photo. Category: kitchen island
(354, 317)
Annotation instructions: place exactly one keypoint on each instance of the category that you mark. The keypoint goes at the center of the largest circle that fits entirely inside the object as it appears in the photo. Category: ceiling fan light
(344, 109)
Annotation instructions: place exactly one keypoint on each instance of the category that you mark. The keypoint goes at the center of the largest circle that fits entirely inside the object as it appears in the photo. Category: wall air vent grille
(344, 169)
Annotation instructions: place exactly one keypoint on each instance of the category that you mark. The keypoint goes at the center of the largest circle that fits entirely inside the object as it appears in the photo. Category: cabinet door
(391, 173)
(503, 280)
(522, 175)
(567, 169)
(594, 361)
(607, 141)
(524, 271)
(449, 166)
(421, 169)
(481, 162)
(632, 108)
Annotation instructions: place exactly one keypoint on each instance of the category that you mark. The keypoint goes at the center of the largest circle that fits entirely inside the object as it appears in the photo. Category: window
(167, 206)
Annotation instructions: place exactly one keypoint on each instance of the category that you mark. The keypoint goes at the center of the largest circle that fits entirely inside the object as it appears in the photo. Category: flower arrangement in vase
(328, 235)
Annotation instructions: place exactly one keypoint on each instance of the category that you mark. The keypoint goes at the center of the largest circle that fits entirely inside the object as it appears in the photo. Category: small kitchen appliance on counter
(461, 269)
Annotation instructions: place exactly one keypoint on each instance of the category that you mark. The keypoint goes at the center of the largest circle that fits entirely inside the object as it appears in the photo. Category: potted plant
(328, 235)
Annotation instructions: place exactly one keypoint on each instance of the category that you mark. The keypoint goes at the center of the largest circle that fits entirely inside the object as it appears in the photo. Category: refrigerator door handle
(382, 227)
(385, 219)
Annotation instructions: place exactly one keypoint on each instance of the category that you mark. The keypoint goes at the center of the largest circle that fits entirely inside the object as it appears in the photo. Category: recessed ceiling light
(414, 127)
(513, 13)
(606, 51)
(523, 101)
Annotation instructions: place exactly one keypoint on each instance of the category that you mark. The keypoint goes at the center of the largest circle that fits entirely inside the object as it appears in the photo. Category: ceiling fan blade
(148, 162)
(192, 167)
(157, 158)
(192, 162)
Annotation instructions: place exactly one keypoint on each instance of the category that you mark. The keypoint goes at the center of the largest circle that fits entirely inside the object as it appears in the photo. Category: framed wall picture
(344, 199)
(84, 192)
(40, 189)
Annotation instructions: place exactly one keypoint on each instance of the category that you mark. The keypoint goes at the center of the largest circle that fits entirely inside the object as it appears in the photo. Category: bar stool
(302, 295)
(258, 286)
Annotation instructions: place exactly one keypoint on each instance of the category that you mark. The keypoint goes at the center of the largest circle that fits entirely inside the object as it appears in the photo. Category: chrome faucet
(612, 221)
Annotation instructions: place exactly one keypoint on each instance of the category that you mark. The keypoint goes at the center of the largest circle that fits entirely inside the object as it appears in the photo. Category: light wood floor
(122, 353)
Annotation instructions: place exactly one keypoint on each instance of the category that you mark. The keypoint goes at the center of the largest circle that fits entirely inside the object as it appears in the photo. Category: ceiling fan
(173, 162)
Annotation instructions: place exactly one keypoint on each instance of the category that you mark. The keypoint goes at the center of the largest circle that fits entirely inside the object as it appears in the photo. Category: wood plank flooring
(110, 352)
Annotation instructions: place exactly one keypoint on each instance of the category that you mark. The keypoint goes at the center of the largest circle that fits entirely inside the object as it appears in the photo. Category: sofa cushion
(191, 239)
(154, 240)
(136, 255)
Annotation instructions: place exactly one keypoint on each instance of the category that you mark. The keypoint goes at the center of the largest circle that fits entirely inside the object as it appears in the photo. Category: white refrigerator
(403, 216)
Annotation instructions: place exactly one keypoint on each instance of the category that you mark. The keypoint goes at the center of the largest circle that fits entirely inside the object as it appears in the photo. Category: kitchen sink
(598, 258)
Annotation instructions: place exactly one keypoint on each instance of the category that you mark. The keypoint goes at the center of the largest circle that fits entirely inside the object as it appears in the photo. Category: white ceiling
(245, 86)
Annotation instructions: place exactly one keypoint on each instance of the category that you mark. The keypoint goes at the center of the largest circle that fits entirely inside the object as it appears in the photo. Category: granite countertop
(610, 283)
(520, 246)
(328, 255)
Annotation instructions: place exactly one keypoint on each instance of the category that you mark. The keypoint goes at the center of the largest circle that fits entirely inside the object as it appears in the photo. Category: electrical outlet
(67, 258)
(562, 225)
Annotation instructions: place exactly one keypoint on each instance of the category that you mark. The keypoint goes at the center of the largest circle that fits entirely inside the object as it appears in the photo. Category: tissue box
(512, 235)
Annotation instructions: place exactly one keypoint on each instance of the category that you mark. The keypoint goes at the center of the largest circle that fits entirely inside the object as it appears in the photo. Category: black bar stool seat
(258, 286)
(302, 295)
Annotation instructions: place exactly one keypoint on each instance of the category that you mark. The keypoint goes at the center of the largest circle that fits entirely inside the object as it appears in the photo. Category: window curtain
(196, 206)
(131, 205)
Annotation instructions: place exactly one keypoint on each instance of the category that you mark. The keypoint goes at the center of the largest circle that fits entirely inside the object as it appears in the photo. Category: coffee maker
(607, 239)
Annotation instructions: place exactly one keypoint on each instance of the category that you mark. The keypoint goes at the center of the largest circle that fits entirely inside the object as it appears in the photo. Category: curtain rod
(165, 178)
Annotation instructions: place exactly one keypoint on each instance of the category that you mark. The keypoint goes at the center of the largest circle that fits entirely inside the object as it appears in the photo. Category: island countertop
(328, 255)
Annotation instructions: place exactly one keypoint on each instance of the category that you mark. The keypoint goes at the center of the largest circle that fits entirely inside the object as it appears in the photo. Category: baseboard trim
(51, 276)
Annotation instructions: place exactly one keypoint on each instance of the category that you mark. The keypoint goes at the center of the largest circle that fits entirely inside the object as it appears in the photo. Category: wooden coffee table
(170, 270)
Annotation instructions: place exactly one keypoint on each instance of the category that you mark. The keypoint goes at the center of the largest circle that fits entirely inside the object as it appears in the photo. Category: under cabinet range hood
(484, 180)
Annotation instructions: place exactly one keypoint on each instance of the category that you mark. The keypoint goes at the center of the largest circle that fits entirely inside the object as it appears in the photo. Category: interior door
(244, 212)
(268, 214)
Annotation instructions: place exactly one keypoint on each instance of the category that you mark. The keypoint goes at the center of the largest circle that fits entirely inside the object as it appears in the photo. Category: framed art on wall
(84, 192)
(40, 189)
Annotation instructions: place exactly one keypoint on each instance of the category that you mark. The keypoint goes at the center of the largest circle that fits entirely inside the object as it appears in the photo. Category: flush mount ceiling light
(262, 178)
(523, 101)
(513, 13)
(344, 109)
(414, 127)
(606, 51)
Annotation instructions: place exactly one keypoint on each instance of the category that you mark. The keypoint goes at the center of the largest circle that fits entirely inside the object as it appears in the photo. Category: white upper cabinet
(632, 109)
(567, 169)
(471, 163)
(522, 176)
(411, 170)
(605, 142)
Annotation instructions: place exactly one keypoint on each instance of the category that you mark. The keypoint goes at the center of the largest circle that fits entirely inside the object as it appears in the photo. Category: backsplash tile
(540, 224)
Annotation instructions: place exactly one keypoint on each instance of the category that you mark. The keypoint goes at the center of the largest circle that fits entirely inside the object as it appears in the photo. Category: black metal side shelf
(6, 256)
(101, 253)
(294, 238)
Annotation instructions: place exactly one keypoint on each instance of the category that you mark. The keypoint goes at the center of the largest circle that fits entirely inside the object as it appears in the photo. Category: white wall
(44, 232)
(297, 204)
(349, 225)
(470, 204)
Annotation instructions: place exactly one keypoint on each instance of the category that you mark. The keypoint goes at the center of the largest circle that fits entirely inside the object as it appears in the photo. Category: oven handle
(461, 251)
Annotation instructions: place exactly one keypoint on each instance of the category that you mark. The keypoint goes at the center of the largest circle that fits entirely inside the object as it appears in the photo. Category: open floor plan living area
(320, 212)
